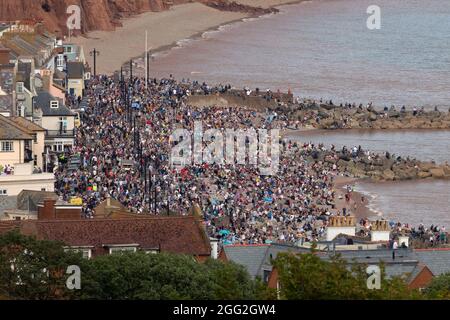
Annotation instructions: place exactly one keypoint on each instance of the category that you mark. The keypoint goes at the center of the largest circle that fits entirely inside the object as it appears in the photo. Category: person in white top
(395, 245)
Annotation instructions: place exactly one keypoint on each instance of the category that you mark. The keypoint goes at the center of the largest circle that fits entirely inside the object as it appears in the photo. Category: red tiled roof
(182, 235)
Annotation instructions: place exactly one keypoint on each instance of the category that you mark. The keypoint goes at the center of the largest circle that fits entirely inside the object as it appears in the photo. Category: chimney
(47, 80)
(4, 56)
(380, 231)
(340, 225)
(47, 210)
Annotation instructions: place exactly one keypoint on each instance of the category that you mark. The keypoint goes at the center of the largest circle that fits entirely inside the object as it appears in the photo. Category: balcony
(60, 134)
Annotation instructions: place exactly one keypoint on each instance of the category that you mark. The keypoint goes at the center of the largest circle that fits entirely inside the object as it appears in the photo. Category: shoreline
(199, 35)
(209, 18)
(362, 210)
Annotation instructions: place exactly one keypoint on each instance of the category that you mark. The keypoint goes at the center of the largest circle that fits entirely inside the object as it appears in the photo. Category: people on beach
(124, 154)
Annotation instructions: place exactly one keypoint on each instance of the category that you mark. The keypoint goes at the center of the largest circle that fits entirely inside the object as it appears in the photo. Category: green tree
(308, 277)
(439, 287)
(232, 281)
(164, 276)
(34, 269)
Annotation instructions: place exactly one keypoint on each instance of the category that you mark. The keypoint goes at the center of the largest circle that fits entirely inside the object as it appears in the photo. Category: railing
(60, 133)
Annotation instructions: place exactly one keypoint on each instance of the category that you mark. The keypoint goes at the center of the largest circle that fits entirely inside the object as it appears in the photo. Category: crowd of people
(125, 154)
(123, 149)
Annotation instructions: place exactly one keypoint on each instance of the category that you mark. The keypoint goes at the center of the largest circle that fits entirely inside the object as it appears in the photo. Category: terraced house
(21, 157)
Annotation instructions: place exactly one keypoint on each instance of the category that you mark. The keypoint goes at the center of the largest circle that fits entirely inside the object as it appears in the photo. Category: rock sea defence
(337, 117)
(382, 167)
(313, 115)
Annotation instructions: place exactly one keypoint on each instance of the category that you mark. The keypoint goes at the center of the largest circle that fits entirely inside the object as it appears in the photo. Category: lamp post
(131, 71)
(94, 53)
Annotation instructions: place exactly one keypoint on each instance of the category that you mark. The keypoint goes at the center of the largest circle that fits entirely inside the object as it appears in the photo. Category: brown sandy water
(414, 202)
(323, 49)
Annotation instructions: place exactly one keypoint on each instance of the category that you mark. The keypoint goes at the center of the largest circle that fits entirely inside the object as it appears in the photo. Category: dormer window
(121, 248)
(54, 104)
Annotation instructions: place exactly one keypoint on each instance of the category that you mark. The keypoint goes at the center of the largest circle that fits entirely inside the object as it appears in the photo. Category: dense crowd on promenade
(238, 203)
(124, 153)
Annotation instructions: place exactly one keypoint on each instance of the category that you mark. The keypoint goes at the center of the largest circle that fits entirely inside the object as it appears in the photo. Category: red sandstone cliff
(100, 14)
(96, 14)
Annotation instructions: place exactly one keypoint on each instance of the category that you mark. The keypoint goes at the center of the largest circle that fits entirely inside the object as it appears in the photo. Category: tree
(232, 282)
(164, 276)
(439, 287)
(308, 277)
(34, 269)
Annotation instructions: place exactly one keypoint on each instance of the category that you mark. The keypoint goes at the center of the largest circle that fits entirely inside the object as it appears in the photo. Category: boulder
(424, 174)
(388, 175)
(426, 166)
(437, 173)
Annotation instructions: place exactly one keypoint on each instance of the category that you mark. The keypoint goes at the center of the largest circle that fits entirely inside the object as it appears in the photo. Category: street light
(94, 53)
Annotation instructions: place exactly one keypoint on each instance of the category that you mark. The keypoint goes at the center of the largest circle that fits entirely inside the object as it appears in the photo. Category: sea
(325, 49)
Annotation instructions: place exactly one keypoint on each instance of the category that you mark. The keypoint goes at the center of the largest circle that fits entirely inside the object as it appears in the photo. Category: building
(73, 53)
(58, 121)
(37, 146)
(24, 206)
(93, 237)
(23, 176)
(257, 258)
(22, 141)
(25, 87)
(15, 143)
(416, 267)
(8, 72)
(75, 79)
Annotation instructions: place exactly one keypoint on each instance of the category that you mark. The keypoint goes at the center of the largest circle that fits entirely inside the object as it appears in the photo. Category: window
(266, 275)
(60, 61)
(35, 160)
(68, 49)
(86, 253)
(34, 137)
(58, 146)
(54, 104)
(7, 146)
(115, 250)
(63, 124)
(19, 87)
(3, 192)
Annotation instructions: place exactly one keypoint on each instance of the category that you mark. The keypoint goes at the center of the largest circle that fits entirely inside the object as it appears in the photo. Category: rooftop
(179, 234)
(11, 131)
